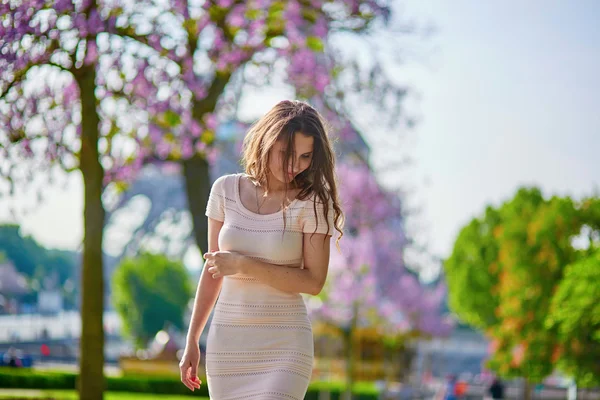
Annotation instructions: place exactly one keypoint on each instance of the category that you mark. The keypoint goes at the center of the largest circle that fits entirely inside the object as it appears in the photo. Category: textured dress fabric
(260, 343)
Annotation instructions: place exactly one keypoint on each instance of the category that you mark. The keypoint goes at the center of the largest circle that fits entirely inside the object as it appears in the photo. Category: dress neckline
(245, 210)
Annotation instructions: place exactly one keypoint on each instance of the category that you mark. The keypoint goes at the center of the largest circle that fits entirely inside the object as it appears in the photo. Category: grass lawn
(72, 395)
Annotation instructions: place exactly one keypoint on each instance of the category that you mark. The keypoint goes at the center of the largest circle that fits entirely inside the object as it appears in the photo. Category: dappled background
(466, 158)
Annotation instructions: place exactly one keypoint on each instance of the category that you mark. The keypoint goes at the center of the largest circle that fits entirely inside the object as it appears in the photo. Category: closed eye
(305, 155)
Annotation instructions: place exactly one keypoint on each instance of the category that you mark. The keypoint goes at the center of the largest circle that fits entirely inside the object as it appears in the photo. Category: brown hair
(284, 120)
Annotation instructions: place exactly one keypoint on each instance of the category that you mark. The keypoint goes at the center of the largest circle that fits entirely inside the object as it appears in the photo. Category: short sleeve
(310, 221)
(215, 208)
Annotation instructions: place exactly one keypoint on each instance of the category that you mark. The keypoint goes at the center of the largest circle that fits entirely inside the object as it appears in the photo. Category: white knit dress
(260, 343)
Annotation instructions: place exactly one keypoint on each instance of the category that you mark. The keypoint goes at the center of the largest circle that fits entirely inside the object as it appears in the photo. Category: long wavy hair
(284, 120)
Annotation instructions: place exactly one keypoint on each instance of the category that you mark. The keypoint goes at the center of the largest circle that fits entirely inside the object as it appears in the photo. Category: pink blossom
(236, 16)
(92, 52)
(187, 148)
(210, 120)
(224, 3)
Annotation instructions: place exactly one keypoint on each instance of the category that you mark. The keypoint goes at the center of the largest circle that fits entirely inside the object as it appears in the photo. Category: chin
(291, 178)
(284, 178)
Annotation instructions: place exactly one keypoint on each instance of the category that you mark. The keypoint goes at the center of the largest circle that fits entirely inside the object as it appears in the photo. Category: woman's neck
(275, 185)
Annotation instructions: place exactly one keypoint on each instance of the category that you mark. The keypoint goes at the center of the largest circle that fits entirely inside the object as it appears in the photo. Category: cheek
(275, 161)
(304, 164)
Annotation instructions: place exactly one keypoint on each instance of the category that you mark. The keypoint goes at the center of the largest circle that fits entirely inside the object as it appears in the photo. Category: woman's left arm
(310, 279)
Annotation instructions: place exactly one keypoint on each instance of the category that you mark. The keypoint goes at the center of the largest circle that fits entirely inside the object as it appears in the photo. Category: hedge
(11, 378)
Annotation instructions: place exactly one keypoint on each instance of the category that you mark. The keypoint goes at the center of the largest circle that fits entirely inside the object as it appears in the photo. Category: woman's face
(299, 160)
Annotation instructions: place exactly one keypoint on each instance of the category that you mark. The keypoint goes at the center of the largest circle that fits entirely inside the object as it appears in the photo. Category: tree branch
(61, 67)
(19, 75)
(130, 33)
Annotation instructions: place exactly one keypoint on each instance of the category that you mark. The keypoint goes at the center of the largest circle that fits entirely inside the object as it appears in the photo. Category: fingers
(195, 380)
(184, 370)
(189, 375)
(192, 379)
(212, 255)
(214, 271)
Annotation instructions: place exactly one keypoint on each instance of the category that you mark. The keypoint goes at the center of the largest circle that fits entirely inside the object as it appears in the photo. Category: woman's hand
(188, 366)
(224, 263)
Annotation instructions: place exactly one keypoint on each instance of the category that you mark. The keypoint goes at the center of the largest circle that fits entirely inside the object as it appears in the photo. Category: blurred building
(462, 353)
(49, 297)
(50, 301)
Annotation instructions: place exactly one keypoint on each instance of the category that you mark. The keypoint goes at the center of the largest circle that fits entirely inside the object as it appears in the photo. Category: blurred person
(269, 235)
(449, 390)
(11, 358)
(496, 389)
(461, 388)
(44, 350)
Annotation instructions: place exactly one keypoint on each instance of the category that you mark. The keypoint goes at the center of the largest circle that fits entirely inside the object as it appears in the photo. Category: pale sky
(509, 97)
(512, 100)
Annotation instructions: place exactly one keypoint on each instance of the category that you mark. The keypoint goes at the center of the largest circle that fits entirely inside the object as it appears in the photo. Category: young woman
(269, 232)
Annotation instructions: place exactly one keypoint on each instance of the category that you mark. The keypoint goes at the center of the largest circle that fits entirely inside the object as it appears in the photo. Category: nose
(294, 166)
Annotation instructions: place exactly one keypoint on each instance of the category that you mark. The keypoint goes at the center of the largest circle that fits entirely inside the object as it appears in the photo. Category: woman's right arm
(207, 291)
(206, 296)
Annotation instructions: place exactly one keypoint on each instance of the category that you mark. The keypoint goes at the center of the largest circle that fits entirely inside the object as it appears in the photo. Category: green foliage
(505, 268)
(171, 119)
(315, 43)
(148, 292)
(24, 252)
(32, 260)
(12, 378)
(575, 314)
(535, 247)
(472, 272)
(74, 395)
(22, 378)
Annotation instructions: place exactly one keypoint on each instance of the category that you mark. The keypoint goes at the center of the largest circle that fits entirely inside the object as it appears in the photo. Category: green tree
(575, 314)
(23, 252)
(33, 260)
(61, 262)
(474, 266)
(504, 270)
(149, 291)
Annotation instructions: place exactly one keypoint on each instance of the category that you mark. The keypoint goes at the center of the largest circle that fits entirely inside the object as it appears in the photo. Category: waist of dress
(265, 315)
(242, 289)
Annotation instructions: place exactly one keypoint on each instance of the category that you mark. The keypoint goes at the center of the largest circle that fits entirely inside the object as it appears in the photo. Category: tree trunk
(91, 358)
(527, 389)
(197, 187)
(196, 169)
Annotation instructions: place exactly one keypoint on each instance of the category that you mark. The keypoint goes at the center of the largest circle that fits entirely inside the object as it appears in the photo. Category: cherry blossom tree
(368, 282)
(311, 65)
(50, 117)
(218, 47)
